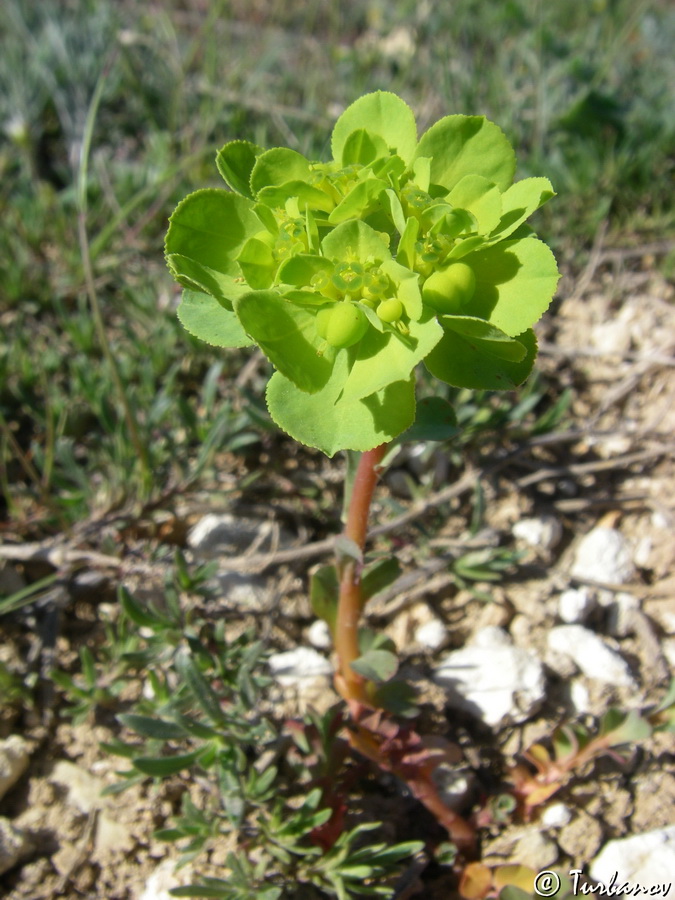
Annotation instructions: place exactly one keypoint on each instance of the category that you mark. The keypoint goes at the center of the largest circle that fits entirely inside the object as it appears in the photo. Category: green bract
(348, 273)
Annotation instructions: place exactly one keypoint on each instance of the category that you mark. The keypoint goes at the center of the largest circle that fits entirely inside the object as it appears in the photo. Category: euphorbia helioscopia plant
(348, 274)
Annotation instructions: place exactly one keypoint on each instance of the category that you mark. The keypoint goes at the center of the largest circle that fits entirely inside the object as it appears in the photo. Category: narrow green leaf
(160, 767)
(323, 594)
(362, 200)
(152, 728)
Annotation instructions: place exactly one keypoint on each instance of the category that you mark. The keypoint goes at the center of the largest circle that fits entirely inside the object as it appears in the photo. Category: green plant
(348, 274)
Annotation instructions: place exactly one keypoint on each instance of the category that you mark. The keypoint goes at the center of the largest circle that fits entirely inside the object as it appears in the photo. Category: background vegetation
(112, 112)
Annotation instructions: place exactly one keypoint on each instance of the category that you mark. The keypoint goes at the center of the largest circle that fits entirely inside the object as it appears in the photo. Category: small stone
(432, 634)
(453, 784)
(295, 666)
(318, 635)
(579, 696)
(603, 555)
(492, 679)
(249, 592)
(227, 535)
(581, 838)
(591, 654)
(15, 845)
(621, 614)
(543, 533)
(575, 605)
(535, 850)
(83, 790)
(14, 760)
(647, 859)
(164, 878)
(556, 816)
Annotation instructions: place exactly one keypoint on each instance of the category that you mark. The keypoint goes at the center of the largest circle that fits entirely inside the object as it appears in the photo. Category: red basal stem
(350, 605)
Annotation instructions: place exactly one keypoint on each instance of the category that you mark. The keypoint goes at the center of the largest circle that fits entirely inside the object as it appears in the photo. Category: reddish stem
(350, 605)
(349, 683)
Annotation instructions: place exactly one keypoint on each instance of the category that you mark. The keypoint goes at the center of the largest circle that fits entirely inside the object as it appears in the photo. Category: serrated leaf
(435, 420)
(467, 145)
(152, 728)
(384, 357)
(355, 241)
(235, 163)
(481, 198)
(160, 767)
(376, 665)
(308, 196)
(470, 363)
(515, 283)
(519, 202)
(363, 147)
(257, 263)
(299, 270)
(278, 166)
(351, 425)
(211, 226)
(287, 335)
(381, 114)
(206, 319)
(362, 200)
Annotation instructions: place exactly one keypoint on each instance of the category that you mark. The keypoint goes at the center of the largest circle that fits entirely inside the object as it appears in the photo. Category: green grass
(584, 91)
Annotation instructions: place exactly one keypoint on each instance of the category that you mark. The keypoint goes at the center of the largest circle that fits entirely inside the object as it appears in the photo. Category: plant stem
(350, 605)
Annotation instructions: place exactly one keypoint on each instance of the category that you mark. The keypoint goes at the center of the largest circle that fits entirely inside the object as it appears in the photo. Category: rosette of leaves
(349, 273)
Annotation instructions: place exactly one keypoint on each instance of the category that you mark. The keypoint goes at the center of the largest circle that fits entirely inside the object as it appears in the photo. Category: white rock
(621, 614)
(580, 697)
(575, 605)
(603, 555)
(318, 635)
(555, 816)
(591, 654)
(543, 533)
(15, 844)
(492, 679)
(226, 534)
(295, 666)
(668, 649)
(432, 634)
(13, 761)
(647, 859)
(164, 878)
(247, 591)
(83, 790)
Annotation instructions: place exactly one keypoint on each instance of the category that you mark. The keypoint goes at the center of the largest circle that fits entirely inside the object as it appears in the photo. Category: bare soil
(611, 339)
